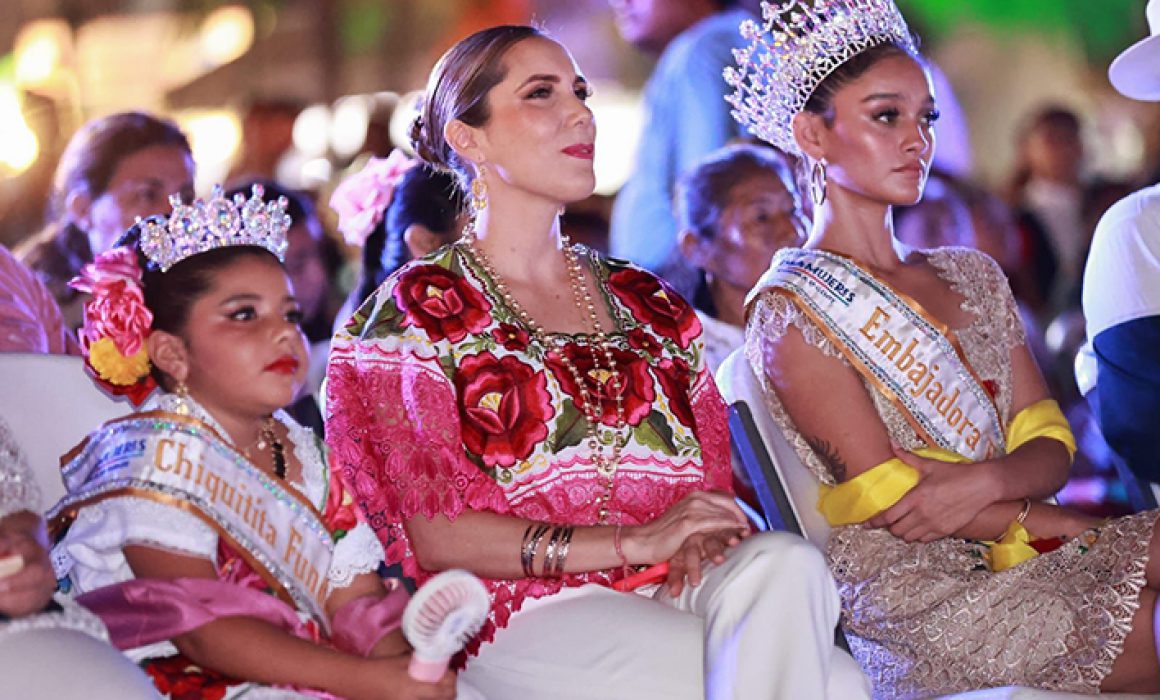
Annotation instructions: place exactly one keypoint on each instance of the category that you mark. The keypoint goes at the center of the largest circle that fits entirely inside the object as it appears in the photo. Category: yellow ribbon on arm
(875, 490)
(867, 494)
(1040, 419)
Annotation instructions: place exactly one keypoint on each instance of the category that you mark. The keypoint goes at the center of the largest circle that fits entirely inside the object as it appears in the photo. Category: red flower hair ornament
(117, 322)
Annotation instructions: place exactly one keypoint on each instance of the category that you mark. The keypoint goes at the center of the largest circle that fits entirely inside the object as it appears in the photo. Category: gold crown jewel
(797, 46)
(213, 223)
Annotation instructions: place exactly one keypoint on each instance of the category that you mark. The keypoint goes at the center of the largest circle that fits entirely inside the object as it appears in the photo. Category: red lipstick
(585, 151)
(287, 364)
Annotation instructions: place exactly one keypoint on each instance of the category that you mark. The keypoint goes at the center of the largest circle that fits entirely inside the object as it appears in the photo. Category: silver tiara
(799, 45)
(213, 223)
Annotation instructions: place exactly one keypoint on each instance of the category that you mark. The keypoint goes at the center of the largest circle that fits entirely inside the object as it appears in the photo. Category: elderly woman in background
(114, 169)
(737, 207)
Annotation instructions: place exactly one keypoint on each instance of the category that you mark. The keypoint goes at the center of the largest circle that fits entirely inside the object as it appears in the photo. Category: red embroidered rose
(654, 304)
(639, 339)
(511, 336)
(341, 514)
(443, 304)
(676, 380)
(635, 387)
(504, 407)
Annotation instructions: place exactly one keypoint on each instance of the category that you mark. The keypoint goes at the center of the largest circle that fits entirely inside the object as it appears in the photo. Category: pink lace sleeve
(709, 412)
(393, 427)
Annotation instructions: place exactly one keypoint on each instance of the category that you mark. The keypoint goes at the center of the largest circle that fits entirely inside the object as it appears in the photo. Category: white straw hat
(1136, 71)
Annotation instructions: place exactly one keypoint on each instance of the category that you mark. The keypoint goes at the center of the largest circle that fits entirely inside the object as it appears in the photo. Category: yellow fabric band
(1040, 419)
(867, 494)
(875, 490)
(1012, 548)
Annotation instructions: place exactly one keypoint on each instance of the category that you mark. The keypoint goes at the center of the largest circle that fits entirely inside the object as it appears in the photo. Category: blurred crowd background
(1033, 146)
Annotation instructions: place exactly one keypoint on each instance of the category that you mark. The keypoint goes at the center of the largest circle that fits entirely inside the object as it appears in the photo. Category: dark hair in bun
(458, 88)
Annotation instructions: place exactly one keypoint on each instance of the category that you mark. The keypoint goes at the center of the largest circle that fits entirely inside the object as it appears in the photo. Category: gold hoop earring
(478, 192)
(818, 183)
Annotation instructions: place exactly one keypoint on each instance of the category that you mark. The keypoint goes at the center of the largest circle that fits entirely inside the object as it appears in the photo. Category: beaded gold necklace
(606, 465)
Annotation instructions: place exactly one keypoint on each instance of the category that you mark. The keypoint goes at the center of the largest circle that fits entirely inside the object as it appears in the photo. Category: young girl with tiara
(206, 529)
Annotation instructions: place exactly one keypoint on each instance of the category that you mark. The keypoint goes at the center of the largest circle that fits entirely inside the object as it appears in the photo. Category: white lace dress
(929, 619)
(91, 554)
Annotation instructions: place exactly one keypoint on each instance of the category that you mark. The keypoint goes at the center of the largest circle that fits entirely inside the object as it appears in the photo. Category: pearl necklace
(606, 465)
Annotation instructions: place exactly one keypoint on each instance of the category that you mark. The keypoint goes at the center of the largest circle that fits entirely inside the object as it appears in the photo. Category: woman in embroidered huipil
(904, 382)
(523, 408)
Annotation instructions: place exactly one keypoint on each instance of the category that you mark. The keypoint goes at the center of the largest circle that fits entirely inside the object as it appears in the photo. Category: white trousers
(760, 626)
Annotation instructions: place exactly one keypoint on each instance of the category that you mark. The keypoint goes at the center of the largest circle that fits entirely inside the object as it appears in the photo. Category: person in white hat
(1121, 290)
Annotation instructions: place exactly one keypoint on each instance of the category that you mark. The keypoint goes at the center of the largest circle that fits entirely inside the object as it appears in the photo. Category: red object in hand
(654, 574)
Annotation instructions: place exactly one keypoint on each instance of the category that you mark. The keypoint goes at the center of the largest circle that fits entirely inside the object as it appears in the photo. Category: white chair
(788, 492)
(50, 404)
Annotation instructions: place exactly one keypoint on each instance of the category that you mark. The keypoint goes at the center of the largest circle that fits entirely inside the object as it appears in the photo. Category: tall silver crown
(213, 223)
(798, 45)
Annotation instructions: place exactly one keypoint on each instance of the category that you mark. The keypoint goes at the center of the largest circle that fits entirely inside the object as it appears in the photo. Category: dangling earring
(478, 192)
(182, 391)
(818, 183)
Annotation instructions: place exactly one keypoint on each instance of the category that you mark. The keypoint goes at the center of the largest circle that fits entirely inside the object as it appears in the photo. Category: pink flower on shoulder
(361, 199)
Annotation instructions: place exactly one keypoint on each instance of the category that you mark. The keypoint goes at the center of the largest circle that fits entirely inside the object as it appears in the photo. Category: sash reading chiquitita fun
(184, 463)
(907, 355)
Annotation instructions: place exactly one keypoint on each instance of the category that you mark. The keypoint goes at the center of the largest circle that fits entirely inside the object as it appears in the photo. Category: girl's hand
(699, 512)
(27, 591)
(946, 499)
(387, 679)
(700, 547)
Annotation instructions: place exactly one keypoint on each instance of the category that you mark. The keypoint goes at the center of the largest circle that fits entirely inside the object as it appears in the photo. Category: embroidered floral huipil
(440, 401)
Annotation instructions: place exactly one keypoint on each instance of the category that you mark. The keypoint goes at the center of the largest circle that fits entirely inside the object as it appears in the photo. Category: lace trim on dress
(18, 488)
(71, 616)
(711, 418)
(359, 552)
(309, 454)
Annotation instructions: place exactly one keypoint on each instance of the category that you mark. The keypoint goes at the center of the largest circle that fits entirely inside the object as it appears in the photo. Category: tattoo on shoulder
(829, 456)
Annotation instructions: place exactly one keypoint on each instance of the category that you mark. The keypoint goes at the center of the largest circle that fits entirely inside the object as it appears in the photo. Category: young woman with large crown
(934, 436)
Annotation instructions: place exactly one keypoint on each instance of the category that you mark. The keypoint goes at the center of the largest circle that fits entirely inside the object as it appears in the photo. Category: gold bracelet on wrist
(1023, 513)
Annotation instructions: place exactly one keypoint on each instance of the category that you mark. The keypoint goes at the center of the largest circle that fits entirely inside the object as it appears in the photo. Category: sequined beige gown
(928, 619)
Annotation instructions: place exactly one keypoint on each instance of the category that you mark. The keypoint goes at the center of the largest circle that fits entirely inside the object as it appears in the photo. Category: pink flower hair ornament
(117, 322)
(362, 199)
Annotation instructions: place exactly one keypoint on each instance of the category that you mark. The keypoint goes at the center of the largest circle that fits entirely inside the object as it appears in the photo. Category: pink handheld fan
(440, 618)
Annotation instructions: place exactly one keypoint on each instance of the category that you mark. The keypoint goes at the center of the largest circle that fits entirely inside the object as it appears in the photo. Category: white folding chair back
(779, 468)
(50, 404)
